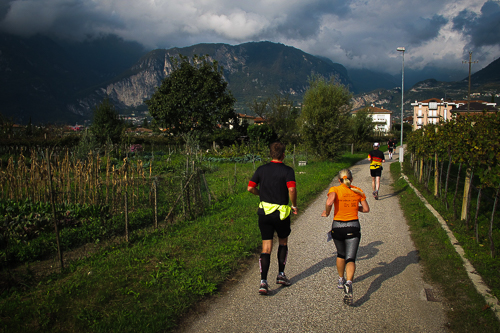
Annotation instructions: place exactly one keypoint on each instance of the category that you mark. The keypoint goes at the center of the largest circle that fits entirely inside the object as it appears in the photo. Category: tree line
(467, 142)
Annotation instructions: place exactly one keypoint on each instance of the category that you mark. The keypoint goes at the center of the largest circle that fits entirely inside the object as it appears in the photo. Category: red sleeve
(291, 184)
(252, 184)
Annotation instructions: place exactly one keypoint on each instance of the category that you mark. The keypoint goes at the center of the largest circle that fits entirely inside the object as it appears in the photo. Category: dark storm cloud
(4, 8)
(306, 20)
(483, 29)
(423, 29)
(358, 33)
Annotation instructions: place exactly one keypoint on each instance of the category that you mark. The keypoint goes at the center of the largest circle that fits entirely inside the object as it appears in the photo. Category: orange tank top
(346, 202)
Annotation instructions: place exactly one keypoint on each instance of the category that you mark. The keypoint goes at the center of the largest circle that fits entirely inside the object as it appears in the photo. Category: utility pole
(470, 63)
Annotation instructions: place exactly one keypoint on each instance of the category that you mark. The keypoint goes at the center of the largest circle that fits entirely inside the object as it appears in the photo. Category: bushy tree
(106, 123)
(281, 114)
(261, 134)
(193, 98)
(361, 126)
(324, 120)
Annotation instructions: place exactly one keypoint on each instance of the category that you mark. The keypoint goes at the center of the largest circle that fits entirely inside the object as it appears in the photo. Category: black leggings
(346, 236)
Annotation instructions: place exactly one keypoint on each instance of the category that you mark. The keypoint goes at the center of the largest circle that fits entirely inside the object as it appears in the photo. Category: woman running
(346, 228)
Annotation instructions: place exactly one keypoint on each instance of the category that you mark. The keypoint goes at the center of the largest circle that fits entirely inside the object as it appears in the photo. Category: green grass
(468, 311)
(477, 252)
(149, 283)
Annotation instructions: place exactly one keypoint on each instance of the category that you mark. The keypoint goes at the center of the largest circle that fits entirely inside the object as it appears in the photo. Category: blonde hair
(345, 176)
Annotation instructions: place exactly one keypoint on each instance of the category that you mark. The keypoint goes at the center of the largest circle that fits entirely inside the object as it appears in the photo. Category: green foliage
(106, 123)
(159, 275)
(224, 136)
(441, 263)
(193, 98)
(262, 134)
(87, 144)
(325, 116)
(281, 115)
(243, 159)
(361, 126)
(471, 139)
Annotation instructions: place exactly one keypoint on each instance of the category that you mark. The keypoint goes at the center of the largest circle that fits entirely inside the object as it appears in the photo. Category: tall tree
(106, 123)
(361, 126)
(324, 119)
(281, 114)
(194, 97)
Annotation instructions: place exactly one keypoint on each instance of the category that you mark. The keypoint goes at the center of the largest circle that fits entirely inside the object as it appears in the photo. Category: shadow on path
(390, 195)
(385, 271)
(364, 253)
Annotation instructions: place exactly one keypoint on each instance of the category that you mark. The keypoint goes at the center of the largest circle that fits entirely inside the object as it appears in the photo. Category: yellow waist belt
(270, 208)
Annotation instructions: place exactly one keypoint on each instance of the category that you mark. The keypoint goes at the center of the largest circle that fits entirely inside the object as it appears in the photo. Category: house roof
(255, 119)
(476, 107)
(373, 110)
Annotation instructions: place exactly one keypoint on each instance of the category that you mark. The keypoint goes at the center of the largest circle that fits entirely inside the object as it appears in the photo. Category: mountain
(39, 76)
(252, 70)
(484, 84)
(488, 76)
(365, 80)
(48, 80)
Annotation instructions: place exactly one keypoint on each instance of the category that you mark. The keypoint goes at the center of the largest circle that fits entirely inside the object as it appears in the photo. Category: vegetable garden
(51, 201)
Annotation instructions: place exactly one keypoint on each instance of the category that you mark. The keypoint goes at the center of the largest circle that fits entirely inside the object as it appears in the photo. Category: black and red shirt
(273, 180)
(377, 157)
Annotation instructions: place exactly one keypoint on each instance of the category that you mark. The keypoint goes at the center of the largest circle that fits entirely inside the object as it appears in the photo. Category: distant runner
(376, 157)
(391, 144)
(346, 230)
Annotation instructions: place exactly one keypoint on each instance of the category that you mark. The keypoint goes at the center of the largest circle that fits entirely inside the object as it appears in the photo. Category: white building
(382, 118)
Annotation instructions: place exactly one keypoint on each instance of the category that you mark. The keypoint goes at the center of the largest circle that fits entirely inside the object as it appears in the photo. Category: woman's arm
(329, 203)
(364, 208)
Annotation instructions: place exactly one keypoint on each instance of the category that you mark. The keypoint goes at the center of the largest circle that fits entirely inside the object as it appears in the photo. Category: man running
(391, 145)
(376, 157)
(276, 182)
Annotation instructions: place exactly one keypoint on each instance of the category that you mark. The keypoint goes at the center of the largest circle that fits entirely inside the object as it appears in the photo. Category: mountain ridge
(56, 81)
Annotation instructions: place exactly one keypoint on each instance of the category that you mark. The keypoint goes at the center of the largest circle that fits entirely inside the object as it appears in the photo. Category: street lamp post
(401, 152)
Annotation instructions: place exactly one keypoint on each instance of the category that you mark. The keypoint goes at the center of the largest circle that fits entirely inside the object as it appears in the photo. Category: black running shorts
(376, 172)
(268, 224)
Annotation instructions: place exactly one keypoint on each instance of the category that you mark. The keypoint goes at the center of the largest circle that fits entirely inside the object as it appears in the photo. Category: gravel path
(389, 292)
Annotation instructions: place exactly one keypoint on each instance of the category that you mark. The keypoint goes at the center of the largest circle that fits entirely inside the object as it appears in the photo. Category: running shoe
(348, 294)
(283, 280)
(264, 288)
(341, 283)
(376, 195)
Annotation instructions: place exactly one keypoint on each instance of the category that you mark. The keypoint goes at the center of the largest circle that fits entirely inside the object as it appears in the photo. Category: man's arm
(292, 193)
(253, 190)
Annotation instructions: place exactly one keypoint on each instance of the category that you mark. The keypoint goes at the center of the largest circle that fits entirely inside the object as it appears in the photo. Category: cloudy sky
(355, 33)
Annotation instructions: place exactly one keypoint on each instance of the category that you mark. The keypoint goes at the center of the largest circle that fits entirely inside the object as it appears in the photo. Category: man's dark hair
(277, 149)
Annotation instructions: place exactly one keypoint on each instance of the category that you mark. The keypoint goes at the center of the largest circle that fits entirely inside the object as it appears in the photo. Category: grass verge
(146, 285)
(468, 311)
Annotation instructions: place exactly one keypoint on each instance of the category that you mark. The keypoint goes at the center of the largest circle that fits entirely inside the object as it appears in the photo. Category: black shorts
(390, 149)
(268, 224)
(376, 172)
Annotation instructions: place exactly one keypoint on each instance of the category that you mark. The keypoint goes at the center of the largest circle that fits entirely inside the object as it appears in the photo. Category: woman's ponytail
(345, 176)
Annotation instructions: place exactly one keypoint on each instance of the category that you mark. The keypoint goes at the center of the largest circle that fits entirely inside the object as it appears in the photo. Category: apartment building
(431, 111)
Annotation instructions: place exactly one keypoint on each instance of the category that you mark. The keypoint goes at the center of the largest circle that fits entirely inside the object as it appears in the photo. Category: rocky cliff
(252, 70)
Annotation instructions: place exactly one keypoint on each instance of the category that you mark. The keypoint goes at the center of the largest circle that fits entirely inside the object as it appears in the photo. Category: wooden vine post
(436, 172)
(465, 197)
(126, 215)
(155, 189)
(51, 194)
